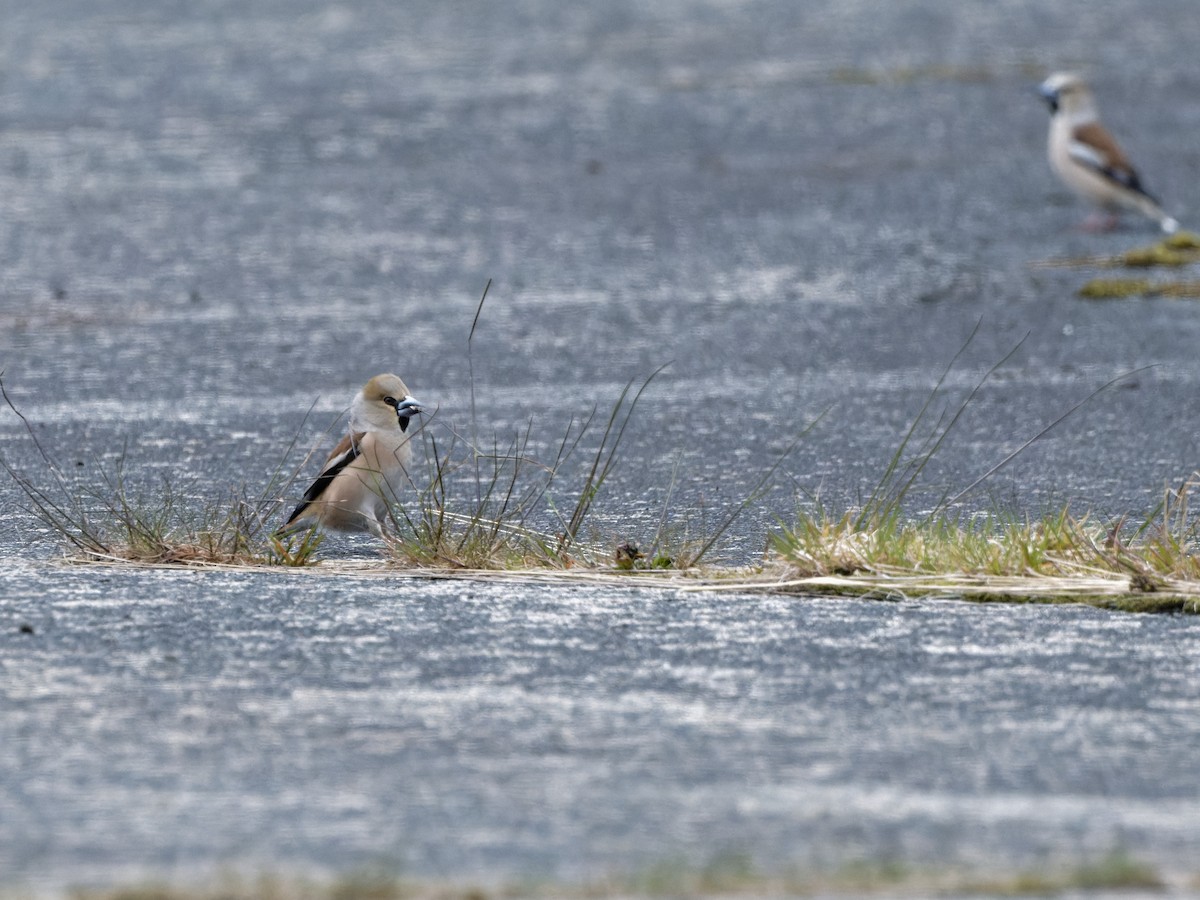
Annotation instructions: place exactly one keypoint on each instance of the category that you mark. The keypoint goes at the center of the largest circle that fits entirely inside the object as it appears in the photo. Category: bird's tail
(295, 522)
(1152, 209)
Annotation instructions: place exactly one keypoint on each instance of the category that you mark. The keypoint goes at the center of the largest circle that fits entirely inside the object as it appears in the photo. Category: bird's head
(383, 400)
(1066, 91)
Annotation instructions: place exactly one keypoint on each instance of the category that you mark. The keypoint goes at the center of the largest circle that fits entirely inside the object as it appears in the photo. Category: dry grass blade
(605, 457)
(471, 364)
(63, 511)
(1041, 434)
(756, 493)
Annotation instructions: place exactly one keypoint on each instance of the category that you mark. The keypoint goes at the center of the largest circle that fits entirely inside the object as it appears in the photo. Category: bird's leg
(1100, 223)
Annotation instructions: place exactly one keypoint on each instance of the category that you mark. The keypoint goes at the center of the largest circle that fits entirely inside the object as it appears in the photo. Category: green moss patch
(1123, 288)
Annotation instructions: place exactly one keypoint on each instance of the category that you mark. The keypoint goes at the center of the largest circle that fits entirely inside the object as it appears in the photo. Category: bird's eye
(390, 401)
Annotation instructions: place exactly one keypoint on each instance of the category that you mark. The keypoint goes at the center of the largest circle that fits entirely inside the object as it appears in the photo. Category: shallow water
(160, 721)
(213, 217)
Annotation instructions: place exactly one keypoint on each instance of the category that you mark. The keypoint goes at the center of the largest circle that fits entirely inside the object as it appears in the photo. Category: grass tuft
(295, 549)
(881, 540)
(477, 511)
(113, 520)
(501, 508)
(1059, 545)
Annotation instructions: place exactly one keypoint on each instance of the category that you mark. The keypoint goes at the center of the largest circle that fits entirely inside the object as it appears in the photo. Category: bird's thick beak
(1050, 96)
(406, 409)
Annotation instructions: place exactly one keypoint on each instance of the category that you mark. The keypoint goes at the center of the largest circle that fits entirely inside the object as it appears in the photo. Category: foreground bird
(367, 469)
(1087, 158)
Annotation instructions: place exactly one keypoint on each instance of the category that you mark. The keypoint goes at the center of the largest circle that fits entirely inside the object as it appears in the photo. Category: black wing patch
(327, 475)
(1094, 147)
(1129, 178)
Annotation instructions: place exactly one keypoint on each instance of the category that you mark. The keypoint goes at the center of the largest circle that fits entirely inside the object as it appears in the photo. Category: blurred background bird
(1088, 159)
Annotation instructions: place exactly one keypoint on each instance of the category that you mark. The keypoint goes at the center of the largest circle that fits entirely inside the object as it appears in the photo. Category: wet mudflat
(212, 216)
(450, 728)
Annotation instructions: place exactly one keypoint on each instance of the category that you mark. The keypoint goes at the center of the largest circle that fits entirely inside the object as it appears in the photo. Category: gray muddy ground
(214, 214)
